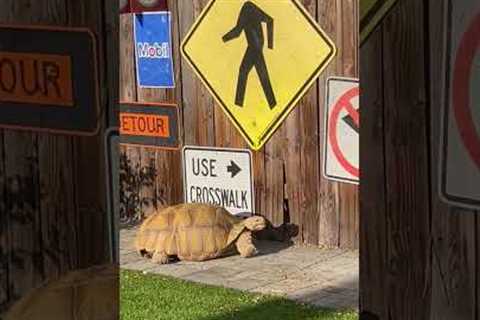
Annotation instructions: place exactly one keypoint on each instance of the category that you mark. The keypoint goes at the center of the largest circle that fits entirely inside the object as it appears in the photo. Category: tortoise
(196, 232)
(80, 294)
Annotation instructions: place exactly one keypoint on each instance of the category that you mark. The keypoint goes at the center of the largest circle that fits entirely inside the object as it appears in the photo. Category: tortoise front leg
(245, 245)
(160, 257)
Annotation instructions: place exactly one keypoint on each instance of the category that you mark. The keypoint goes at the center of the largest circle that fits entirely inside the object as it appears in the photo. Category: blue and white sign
(153, 50)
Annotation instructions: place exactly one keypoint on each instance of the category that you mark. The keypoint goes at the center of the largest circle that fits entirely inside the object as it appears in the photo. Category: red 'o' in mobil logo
(153, 51)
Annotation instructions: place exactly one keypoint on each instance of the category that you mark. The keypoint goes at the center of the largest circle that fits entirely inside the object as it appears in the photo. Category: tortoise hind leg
(160, 257)
(245, 245)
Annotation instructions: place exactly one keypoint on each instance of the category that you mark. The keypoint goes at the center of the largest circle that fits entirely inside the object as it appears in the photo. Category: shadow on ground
(266, 247)
(284, 310)
(343, 294)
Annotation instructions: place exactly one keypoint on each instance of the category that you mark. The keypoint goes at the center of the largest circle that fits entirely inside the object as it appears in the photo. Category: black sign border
(112, 162)
(83, 119)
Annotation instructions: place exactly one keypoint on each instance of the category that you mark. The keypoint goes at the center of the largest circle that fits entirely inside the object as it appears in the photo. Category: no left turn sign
(460, 147)
(342, 128)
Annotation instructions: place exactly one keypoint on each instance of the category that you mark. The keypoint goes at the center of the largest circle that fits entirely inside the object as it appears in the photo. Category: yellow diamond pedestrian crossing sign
(257, 58)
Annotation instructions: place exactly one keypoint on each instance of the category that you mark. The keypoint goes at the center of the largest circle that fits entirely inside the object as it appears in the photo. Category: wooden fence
(419, 256)
(52, 187)
(289, 185)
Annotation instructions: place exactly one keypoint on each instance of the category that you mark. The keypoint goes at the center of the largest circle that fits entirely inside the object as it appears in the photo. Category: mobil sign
(153, 50)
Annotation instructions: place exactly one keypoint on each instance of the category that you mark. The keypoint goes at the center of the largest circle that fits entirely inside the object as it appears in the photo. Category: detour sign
(49, 80)
(154, 125)
(137, 124)
(36, 78)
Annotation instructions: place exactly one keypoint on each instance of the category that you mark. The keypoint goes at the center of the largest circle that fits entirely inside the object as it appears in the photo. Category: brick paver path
(326, 278)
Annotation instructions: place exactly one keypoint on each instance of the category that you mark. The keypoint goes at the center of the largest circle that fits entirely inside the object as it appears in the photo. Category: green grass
(153, 297)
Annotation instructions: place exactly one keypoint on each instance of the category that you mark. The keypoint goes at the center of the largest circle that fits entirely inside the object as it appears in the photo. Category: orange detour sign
(36, 78)
(154, 125)
(137, 124)
(48, 79)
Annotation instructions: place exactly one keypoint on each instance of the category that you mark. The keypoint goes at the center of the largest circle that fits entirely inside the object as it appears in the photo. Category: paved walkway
(326, 278)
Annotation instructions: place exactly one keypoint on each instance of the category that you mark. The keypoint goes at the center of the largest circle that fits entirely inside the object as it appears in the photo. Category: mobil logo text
(153, 50)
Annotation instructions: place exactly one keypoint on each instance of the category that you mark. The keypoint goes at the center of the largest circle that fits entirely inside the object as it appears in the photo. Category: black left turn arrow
(351, 123)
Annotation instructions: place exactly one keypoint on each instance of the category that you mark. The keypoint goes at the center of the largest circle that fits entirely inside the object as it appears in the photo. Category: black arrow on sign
(351, 123)
(233, 168)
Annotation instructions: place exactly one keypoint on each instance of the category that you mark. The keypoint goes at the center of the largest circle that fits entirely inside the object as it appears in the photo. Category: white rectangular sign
(460, 147)
(219, 176)
(342, 128)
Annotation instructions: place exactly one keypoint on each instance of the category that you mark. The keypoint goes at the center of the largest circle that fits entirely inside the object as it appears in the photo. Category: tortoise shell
(82, 294)
(194, 232)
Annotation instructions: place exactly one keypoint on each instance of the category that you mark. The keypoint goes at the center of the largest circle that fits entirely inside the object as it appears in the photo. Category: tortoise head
(255, 223)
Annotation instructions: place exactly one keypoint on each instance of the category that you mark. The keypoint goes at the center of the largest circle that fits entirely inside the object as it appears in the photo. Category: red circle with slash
(461, 89)
(345, 102)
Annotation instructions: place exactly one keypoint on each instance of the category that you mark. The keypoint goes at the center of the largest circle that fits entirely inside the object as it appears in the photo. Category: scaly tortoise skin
(196, 232)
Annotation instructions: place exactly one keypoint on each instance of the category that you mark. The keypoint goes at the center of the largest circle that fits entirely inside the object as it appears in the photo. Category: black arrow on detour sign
(233, 168)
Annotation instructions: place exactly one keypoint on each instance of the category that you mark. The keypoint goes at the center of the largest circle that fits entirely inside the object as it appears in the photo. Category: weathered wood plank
(302, 158)
(175, 157)
(406, 163)
(127, 78)
(89, 166)
(328, 14)
(5, 245)
(22, 203)
(373, 239)
(128, 85)
(56, 185)
(112, 50)
(348, 194)
(4, 234)
(198, 105)
(23, 207)
(58, 212)
(275, 193)
(259, 181)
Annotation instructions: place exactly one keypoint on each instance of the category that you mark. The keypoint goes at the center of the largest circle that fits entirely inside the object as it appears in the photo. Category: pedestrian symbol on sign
(250, 20)
(279, 39)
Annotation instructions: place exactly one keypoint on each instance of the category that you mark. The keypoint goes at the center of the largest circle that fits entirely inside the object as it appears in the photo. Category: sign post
(258, 59)
(222, 177)
(112, 164)
(342, 128)
(48, 80)
(460, 147)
